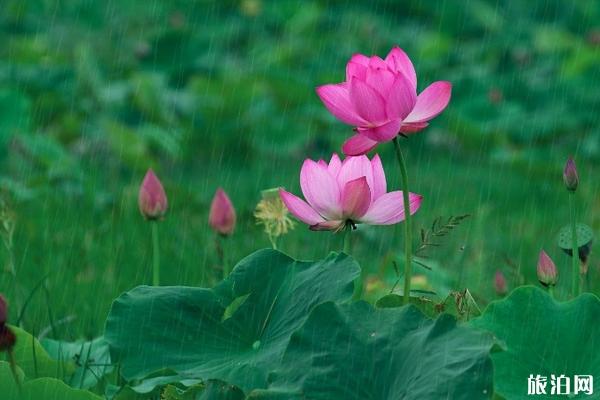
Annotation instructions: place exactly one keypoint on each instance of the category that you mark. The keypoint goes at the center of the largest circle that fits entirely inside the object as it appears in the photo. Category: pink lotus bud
(500, 283)
(546, 270)
(152, 199)
(7, 338)
(570, 176)
(3, 311)
(222, 214)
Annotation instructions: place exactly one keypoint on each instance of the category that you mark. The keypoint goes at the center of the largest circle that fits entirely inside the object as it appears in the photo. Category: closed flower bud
(500, 283)
(3, 310)
(222, 214)
(570, 176)
(152, 199)
(7, 338)
(546, 270)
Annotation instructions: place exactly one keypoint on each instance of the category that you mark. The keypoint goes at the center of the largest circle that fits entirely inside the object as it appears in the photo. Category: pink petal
(389, 208)
(377, 63)
(382, 133)
(357, 145)
(381, 80)
(320, 189)
(431, 102)
(354, 168)
(356, 198)
(413, 127)
(379, 186)
(336, 99)
(299, 208)
(328, 226)
(401, 98)
(398, 61)
(367, 102)
(334, 165)
(357, 67)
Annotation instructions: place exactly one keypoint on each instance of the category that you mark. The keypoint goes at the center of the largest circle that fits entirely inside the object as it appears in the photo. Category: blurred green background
(221, 93)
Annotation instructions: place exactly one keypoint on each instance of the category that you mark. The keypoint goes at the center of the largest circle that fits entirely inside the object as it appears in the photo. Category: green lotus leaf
(187, 329)
(357, 352)
(91, 360)
(37, 389)
(33, 359)
(542, 336)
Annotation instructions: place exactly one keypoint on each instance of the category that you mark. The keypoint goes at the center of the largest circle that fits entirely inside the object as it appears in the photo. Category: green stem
(551, 291)
(407, 220)
(574, 248)
(156, 255)
(347, 239)
(358, 282)
(13, 368)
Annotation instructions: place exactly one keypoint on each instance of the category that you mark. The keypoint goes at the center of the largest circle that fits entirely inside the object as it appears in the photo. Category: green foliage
(188, 331)
(91, 360)
(541, 336)
(355, 352)
(38, 388)
(34, 361)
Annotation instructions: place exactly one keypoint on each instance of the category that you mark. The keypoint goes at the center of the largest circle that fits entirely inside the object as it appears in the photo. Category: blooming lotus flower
(349, 192)
(152, 199)
(570, 176)
(222, 214)
(379, 98)
(546, 270)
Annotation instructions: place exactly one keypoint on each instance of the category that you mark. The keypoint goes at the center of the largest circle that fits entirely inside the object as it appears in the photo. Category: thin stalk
(407, 220)
(574, 248)
(13, 369)
(156, 255)
(551, 291)
(358, 282)
(273, 241)
(347, 239)
(219, 247)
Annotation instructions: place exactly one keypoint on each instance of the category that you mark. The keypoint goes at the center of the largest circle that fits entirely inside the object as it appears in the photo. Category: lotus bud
(152, 199)
(546, 270)
(570, 176)
(500, 283)
(222, 214)
(7, 336)
(3, 310)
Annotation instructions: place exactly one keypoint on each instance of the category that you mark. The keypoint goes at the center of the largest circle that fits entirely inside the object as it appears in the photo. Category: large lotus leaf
(91, 360)
(358, 352)
(33, 359)
(37, 389)
(542, 336)
(195, 332)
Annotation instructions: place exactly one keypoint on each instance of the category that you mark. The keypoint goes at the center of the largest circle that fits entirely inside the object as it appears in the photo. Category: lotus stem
(407, 220)
(347, 241)
(13, 368)
(156, 255)
(574, 247)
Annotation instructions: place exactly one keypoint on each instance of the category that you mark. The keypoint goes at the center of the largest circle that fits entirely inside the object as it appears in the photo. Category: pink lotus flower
(222, 214)
(546, 270)
(570, 176)
(152, 199)
(500, 283)
(349, 192)
(379, 98)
